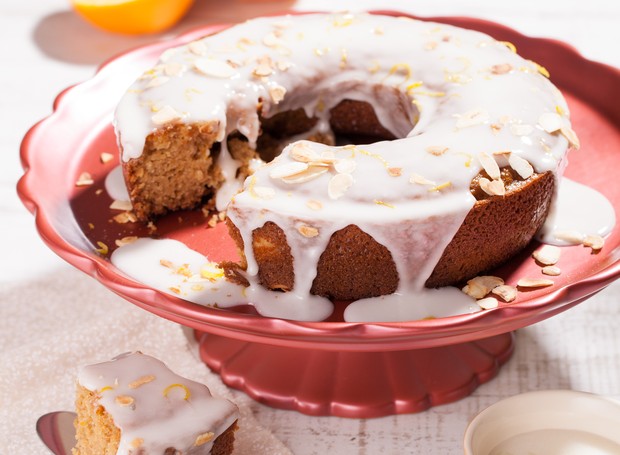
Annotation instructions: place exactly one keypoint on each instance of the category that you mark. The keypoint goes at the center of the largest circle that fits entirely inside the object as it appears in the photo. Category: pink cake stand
(330, 367)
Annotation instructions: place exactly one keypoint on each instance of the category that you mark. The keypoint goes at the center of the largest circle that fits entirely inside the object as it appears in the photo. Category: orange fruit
(132, 16)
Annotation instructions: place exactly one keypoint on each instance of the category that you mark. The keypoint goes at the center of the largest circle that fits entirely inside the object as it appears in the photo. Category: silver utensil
(57, 432)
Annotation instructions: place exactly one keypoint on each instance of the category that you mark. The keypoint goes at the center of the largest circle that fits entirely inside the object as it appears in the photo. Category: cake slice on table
(134, 404)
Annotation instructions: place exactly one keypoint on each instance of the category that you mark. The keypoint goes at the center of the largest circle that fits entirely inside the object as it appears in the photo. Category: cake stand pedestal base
(354, 384)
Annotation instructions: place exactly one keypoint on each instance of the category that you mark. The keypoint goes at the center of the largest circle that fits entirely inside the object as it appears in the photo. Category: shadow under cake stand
(331, 367)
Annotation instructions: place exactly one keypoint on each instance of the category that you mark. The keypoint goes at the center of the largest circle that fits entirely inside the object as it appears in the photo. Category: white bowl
(550, 422)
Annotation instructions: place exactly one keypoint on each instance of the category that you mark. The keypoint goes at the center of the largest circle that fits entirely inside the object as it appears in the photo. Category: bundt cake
(358, 157)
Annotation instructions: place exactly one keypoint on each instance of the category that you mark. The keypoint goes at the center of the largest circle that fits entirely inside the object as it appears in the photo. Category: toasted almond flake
(106, 157)
(520, 165)
(338, 185)
(84, 179)
(430, 45)
(345, 166)
(277, 92)
(328, 157)
(378, 31)
(98, 192)
(520, 129)
(492, 188)
(125, 217)
(502, 68)
(271, 40)
(488, 303)
(416, 178)
(175, 289)
(568, 236)
(262, 192)
(214, 68)
(166, 263)
(141, 381)
(313, 204)
(534, 282)
(157, 81)
(395, 171)
(92, 226)
(307, 231)
(489, 165)
(180, 386)
(437, 150)
(496, 127)
(310, 174)
(125, 240)
(571, 136)
(596, 242)
(211, 271)
(166, 114)
(136, 443)
(168, 54)
(103, 248)
(547, 254)
(124, 400)
(197, 48)
(283, 66)
(478, 287)
(551, 270)
(204, 438)
(472, 118)
(121, 205)
(288, 170)
(262, 70)
(550, 122)
(173, 69)
(302, 152)
(505, 292)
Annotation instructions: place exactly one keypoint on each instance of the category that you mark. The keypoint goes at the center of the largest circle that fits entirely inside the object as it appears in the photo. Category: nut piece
(106, 157)
(489, 165)
(488, 303)
(124, 400)
(480, 286)
(547, 255)
(277, 92)
(288, 170)
(550, 122)
(521, 166)
(534, 283)
(505, 292)
(204, 438)
(308, 231)
(472, 118)
(141, 381)
(492, 188)
(595, 242)
(214, 68)
(338, 185)
(345, 166)
(551, 270)
(313, 204)
(85, 179)
(166, 114)
(502, 68)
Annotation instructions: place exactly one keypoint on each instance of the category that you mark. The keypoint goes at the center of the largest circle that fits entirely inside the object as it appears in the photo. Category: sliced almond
(551, 270)
(121, 205)
(572, 237)
(338, 185)
(302, 152)
(345, 166)
(488, 303)
(214, 68)
(571, 136)
(141, 381)
(550, 122)
(310, 174)
(534, 283)
(84, 179)
(125, 240)
(502, 68)
(395, 171)
(288, 170)
(173, 69)
(313, 204)
(124, 400)
(436, 150)
(308, 231)
(519, 129)
(505, 292)
(520, 165)
(416, 178)
(547, 255)
(489, 165)
(472, 118)
(492, 188)
(157, 81)
(166, 114)
(264, 192)
(197, 48)
(106, 157)
(478, 287)
(596, 242)
(277, 92)
(204, 438)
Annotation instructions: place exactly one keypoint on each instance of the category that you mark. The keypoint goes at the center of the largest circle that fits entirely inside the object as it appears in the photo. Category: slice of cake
(134, 404)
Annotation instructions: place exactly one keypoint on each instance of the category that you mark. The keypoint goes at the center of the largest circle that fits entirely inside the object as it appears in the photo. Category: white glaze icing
(577, 208)
(166, 410)
(456, 91)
